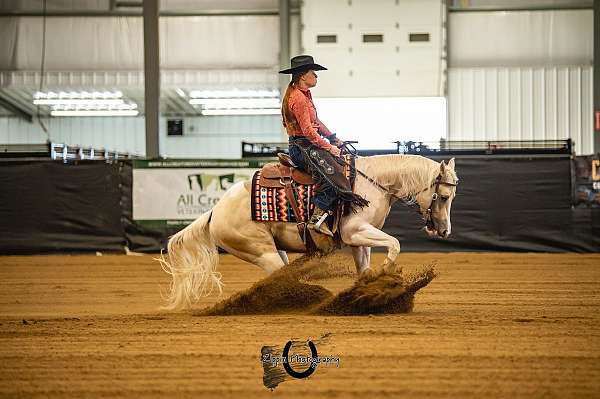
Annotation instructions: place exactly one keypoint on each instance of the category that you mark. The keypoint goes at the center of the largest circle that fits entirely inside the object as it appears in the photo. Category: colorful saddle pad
(270, 204)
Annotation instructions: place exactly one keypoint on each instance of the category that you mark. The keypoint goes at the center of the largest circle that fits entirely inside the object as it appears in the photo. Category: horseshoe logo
(288, 368)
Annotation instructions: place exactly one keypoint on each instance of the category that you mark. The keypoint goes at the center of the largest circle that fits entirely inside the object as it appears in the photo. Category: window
(418, 37)
(372, 38)
(326, 38)
(377, 122)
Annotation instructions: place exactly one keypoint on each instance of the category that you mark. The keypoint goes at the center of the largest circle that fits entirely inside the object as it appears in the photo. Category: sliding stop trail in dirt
(295, 289)
(488, 325)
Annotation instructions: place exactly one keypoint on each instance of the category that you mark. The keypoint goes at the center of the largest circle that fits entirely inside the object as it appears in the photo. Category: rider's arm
(323, 130)
(301, 108)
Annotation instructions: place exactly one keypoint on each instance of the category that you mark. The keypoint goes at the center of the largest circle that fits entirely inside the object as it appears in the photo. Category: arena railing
(438, 148)
(60, 151)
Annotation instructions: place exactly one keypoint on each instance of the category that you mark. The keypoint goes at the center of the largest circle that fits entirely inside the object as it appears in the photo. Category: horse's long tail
(192, 261)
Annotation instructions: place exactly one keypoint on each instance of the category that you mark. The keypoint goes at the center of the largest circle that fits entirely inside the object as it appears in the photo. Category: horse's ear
(451, 163)
(442, 166)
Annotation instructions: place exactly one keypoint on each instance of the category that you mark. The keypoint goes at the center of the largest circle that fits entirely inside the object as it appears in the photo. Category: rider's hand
(335, 151)
(337, 142)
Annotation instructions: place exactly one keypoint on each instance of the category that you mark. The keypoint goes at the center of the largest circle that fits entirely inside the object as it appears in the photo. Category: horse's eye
(445, 198)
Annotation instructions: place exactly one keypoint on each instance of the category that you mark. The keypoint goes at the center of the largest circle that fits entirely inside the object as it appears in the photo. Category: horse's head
(436, 202)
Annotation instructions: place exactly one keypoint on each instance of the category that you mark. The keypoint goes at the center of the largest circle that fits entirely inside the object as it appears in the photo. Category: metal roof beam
(15, 109)
(137, 13)
(520, 8)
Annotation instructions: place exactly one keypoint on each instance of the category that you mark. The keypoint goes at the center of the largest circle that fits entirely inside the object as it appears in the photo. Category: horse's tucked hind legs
(268, 261)
(365, 235)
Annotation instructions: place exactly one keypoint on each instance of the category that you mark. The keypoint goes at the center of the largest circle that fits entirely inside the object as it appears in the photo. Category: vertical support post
(151, 77)
(596, 39)
(445, 63)
(284, 48)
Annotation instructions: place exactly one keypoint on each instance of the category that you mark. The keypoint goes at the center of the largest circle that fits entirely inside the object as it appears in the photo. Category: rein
(437, 182)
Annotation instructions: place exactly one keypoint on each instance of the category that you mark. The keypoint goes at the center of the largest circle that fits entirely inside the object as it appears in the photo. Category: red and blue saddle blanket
(270, 204)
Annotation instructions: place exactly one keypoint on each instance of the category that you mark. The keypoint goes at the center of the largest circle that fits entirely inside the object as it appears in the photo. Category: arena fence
(526, 203)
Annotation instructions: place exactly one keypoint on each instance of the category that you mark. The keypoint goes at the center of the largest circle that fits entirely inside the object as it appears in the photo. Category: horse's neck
(404, 174)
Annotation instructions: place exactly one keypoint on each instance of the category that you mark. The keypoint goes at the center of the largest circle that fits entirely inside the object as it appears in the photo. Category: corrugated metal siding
(521, 38)
(219, 136)
(124, 134)
(204, 137)
(522, 103)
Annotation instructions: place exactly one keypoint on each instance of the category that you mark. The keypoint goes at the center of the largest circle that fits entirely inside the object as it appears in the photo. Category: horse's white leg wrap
(284, 257)
(362, 258)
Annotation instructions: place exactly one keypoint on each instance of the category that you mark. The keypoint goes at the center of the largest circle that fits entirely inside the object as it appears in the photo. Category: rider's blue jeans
(325, 195)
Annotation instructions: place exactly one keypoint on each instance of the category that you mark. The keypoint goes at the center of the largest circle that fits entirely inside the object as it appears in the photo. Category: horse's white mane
(409, 174)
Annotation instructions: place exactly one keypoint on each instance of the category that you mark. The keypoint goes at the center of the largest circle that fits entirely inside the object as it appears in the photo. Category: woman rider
(307, 147)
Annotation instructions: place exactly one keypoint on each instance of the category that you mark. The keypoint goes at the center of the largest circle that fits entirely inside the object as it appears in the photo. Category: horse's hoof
(367, 275)
(389, 268)
(392, 268)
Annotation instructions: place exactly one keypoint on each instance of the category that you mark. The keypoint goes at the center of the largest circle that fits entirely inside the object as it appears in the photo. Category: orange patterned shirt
(302, 106)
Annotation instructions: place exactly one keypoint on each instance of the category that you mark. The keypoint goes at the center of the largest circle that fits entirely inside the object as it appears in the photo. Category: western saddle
(286, 175)
(283, 175)
(278, 174)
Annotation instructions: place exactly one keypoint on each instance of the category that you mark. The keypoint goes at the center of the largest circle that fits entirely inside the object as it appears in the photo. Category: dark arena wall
(502, 204)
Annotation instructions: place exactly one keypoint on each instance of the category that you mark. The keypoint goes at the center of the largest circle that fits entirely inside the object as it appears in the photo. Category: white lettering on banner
(181, 193)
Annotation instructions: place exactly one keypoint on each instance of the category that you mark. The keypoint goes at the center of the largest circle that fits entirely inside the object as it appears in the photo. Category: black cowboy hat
(303, 63)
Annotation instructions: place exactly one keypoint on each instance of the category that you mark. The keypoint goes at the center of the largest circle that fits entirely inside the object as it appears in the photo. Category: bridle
(434, 197)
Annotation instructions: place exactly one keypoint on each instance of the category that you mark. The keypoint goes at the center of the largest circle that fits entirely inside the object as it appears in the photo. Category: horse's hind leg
(233, 230)
(254, 244)
(269, 261)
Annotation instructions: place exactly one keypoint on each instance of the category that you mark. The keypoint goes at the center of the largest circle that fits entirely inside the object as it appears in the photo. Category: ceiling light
(264, 111)
(92, 107)
(95, 113)
(234, 93)
(96, 95)
(224, 103)
(66, 101)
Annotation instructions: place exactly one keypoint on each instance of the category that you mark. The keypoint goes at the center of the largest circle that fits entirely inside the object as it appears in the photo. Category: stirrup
(322, 228)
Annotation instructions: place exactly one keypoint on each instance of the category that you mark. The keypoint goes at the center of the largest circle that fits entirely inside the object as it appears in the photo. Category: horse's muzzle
(433, 232)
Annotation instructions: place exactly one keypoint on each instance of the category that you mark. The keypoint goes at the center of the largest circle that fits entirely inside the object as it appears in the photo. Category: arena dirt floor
(489, 325)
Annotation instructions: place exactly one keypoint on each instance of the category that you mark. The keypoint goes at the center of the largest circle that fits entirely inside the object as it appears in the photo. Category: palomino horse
(193, 256)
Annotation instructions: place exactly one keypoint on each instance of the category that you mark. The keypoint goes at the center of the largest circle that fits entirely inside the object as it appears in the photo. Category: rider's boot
(317, 222)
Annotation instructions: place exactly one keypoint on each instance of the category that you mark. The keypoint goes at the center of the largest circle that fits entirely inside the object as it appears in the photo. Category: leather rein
(434, 197)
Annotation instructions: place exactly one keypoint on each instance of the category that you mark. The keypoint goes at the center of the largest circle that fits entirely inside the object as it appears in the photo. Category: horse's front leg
(365, 235)
(362, 258)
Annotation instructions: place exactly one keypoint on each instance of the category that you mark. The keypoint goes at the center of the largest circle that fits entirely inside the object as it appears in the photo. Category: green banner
(173, 193)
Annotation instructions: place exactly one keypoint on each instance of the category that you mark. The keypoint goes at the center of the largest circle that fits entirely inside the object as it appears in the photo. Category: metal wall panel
(520, 38)
(219, 136)
(394, 67)
(522, 103)
(105, 44)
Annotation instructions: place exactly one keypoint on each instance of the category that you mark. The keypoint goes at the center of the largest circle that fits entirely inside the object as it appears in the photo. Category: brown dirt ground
(490, 325)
